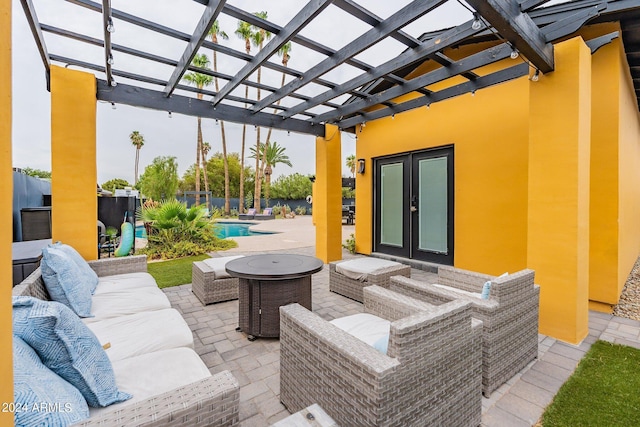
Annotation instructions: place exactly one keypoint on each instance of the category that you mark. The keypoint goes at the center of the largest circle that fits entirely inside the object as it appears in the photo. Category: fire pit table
(267, 282)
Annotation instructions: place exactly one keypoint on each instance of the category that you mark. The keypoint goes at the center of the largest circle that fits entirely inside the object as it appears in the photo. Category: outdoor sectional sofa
(150, 348)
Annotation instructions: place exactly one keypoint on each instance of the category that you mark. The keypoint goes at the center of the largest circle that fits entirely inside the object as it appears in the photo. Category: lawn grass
(175, 272)
(603, 391)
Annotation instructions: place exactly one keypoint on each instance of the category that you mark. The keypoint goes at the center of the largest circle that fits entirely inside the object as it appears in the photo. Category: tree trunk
(225, 160)
(205, 177)
(258, 183)
(137, 160)
(241, 196)
(198, 151)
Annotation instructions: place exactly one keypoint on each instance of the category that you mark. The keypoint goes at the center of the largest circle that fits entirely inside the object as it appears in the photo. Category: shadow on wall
(28, 192)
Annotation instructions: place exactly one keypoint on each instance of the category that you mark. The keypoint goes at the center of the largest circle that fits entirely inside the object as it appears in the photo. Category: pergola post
(559, 189)
(6, 216)
(327, 195)
(74, 200)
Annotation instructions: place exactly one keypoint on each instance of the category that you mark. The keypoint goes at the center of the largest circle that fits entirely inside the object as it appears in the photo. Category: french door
(414, 205)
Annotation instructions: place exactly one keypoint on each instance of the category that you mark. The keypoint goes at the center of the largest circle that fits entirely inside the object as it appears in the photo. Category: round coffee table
(267, 282)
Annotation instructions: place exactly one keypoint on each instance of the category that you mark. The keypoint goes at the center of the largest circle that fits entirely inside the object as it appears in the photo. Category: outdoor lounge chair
(509, 315)
(431, 374)
(249, 215)
(266, 214)
(347, 278)
(211, 283)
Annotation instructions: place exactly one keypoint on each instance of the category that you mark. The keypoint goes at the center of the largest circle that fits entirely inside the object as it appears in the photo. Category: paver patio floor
(256, 365)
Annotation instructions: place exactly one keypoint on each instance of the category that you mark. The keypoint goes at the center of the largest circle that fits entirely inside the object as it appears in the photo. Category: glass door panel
(391, 202)
(432, 206)
(392, 224)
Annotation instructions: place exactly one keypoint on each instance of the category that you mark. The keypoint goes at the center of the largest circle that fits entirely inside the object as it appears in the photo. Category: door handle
(414, 204)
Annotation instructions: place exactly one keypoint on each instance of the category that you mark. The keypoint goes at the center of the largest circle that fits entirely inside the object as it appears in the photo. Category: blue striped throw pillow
(41, 397)
(67, 347)
(89, 277)
(65, 282)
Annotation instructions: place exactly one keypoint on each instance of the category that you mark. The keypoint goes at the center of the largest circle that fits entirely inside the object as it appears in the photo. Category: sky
(176, 136)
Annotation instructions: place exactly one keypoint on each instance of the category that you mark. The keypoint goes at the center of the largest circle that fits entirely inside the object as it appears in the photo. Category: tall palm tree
(214, 32)
(199, 80)
(138, 141)
(351, 164)
(258, 39)
(244, 31)
(284, 53)
(273, 154)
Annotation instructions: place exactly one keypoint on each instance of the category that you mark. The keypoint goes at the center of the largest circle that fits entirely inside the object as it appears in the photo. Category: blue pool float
(126, 239)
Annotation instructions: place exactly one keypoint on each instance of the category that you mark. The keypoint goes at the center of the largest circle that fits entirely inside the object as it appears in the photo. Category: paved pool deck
(256, 365)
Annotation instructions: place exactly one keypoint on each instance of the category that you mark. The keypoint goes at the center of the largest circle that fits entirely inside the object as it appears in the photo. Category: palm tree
(214, 33)
(200, 80)
(138, 140)
(259, 36)
(351, 164)
(273, 154)
(244, 31)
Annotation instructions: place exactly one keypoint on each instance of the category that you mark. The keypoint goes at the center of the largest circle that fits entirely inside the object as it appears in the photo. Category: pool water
(223, 230)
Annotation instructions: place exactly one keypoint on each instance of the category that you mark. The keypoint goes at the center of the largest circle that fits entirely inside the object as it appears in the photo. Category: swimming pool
(223, 230)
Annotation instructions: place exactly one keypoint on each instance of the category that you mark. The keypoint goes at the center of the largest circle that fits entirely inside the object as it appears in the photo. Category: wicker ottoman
(379, 272)
(211, 283)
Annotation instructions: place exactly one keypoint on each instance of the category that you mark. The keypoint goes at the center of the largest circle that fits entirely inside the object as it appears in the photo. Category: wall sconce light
(360, 166)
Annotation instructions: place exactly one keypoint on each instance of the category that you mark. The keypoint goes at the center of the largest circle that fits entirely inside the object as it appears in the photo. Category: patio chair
(348, 278)
(266, 214)
(430, 375)
(249, 215)
(211, 283)
(509, 315)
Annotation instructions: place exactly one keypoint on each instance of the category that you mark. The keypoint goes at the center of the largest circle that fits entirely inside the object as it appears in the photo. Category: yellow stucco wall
(489, 132)
(628, 177)
(73, 160)
(604, 230)
(559, 171)
(6, 219)
(327, 195)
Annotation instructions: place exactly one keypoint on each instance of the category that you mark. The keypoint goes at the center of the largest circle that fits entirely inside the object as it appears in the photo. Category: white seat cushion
(126, 294)
(142, 333)
(459, 291)
(121, 282)
(154, 373)
(218, 264)
(359, 269)
(366, 327)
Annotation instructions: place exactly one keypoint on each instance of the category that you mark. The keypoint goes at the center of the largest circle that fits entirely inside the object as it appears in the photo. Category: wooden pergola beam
(519, 29)
(209, 16)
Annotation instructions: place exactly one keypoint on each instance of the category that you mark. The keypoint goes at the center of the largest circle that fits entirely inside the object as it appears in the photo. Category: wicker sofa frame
(208, 289)
(213, 401)
(351, 288)
(509, 316)
(431, 374)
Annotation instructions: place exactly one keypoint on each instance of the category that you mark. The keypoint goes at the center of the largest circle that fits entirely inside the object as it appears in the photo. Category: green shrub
(233, 212)
(350, 244)
(301, 210)
(276, 209)
(177, 231)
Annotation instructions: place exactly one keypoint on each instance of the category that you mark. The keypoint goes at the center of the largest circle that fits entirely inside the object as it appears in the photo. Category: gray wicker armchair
(431, 374)
(509, 316)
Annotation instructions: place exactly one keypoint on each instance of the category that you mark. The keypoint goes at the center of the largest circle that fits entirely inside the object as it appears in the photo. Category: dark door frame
(409, 247)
